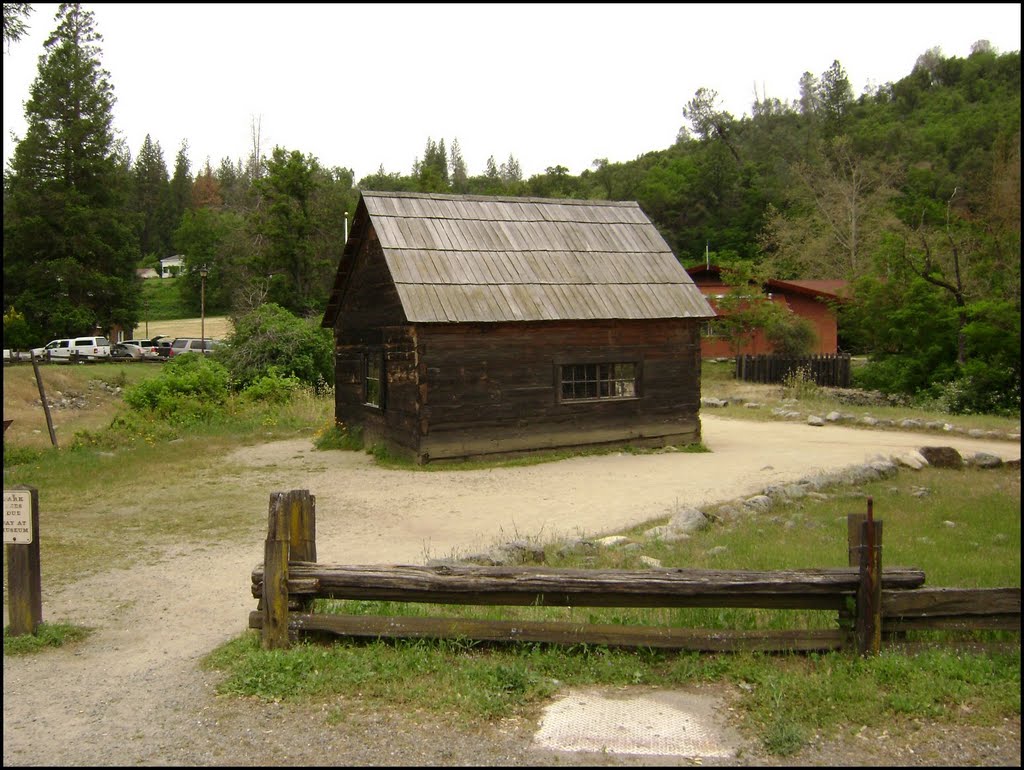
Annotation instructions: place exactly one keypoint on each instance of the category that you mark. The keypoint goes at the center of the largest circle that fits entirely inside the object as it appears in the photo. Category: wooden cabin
(467, 326)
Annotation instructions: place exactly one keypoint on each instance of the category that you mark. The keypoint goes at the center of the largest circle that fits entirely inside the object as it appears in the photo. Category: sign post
(24, 579)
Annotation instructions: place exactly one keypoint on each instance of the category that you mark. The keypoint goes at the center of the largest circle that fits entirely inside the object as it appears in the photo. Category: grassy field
(718, 381)
(164, 313)
(94, 486)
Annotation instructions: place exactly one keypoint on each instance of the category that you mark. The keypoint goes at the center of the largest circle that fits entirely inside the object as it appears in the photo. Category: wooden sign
(21, 540)
(17, 517)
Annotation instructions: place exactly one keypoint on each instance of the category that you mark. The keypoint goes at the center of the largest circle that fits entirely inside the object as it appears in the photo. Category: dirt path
(133, 693)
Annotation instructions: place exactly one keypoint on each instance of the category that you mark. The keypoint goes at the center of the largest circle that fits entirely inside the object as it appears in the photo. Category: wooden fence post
(275, 574)
(24, 578)
(302, 524)
(302, 517)
(42, 398)
(868, 625)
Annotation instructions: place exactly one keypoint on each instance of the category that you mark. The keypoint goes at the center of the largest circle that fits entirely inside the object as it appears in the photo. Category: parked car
(163, 346)
(192, 345)
(122, 351)
(75, 348)
(147, 348)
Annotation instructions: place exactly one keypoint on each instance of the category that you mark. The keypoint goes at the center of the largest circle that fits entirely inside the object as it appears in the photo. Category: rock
(976, 433)
(816, 421)
(650, 561)
(752, 405)
(885, 468)
(914, 460)
(834, 416)
(985, 460)
(942, 456)
(868, 420)
(612, 540)
(950, 524)
(577, 545)
(910, 422)
(713, 402)
(687, 520)
(519, 552)
(758, 502)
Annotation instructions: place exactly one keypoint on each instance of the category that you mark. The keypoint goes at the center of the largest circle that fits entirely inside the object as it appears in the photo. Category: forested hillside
(911, 192)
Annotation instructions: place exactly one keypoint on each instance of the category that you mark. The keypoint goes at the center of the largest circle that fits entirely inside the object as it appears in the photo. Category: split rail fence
(825, 370)
(869, 601)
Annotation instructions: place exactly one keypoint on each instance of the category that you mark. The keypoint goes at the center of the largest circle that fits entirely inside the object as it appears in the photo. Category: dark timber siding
(490, 388)
(371, 322)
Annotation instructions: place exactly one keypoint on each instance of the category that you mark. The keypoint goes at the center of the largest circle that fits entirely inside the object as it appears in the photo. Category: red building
(813, 300)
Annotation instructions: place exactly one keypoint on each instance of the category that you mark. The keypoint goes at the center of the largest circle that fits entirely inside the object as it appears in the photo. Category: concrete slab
(637, 721)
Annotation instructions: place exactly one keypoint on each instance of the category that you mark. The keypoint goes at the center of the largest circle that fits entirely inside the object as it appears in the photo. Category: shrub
(791, 335)
(272, 387)
(271, 337)
(981, 388)
(799, 384)
(189, 387)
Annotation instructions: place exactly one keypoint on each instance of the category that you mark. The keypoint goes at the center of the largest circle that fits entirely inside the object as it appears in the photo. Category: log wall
(493, 389)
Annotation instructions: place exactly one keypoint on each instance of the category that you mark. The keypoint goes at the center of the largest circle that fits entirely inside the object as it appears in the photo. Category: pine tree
(151, 200)
(181, 185)
(459, 177)
(69, 245)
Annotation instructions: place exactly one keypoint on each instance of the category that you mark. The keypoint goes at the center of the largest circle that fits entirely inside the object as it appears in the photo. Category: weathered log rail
(869, 601)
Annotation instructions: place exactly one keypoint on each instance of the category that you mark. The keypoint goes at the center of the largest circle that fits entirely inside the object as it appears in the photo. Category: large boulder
(687, 520)
(942, 456)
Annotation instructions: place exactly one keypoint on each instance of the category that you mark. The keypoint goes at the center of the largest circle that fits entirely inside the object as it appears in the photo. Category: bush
(791, 335)
(981, 388)
(273, 387)
(189, 388)
(270, 339)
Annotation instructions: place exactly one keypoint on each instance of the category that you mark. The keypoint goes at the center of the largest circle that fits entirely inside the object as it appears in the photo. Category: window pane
(598, 381)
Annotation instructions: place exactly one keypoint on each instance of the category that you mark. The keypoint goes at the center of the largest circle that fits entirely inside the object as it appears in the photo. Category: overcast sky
(362, 86)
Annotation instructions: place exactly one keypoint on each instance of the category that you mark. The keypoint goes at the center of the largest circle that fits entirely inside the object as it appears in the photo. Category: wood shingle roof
(492, 259)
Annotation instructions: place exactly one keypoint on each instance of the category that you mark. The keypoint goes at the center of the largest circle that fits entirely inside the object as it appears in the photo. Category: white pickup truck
(75, 348)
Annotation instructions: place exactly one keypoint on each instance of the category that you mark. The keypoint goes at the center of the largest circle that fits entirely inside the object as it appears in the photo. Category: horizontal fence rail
(825, 370)
(819, 589)
(869, 601)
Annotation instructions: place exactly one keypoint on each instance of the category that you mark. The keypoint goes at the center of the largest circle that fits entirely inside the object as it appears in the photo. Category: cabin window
(373, 379)
(589, 382)
(711, 329)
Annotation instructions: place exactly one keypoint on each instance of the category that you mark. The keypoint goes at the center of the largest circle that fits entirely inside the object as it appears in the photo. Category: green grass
(785, 699)
(718, 381)
(161, 301)
(134, 468)
(46, 636)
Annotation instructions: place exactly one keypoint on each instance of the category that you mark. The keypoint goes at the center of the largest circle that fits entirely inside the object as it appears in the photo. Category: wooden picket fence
(870, 602)
(825, 370)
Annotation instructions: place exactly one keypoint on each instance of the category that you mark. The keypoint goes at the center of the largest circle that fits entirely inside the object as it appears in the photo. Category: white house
(171, 265)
